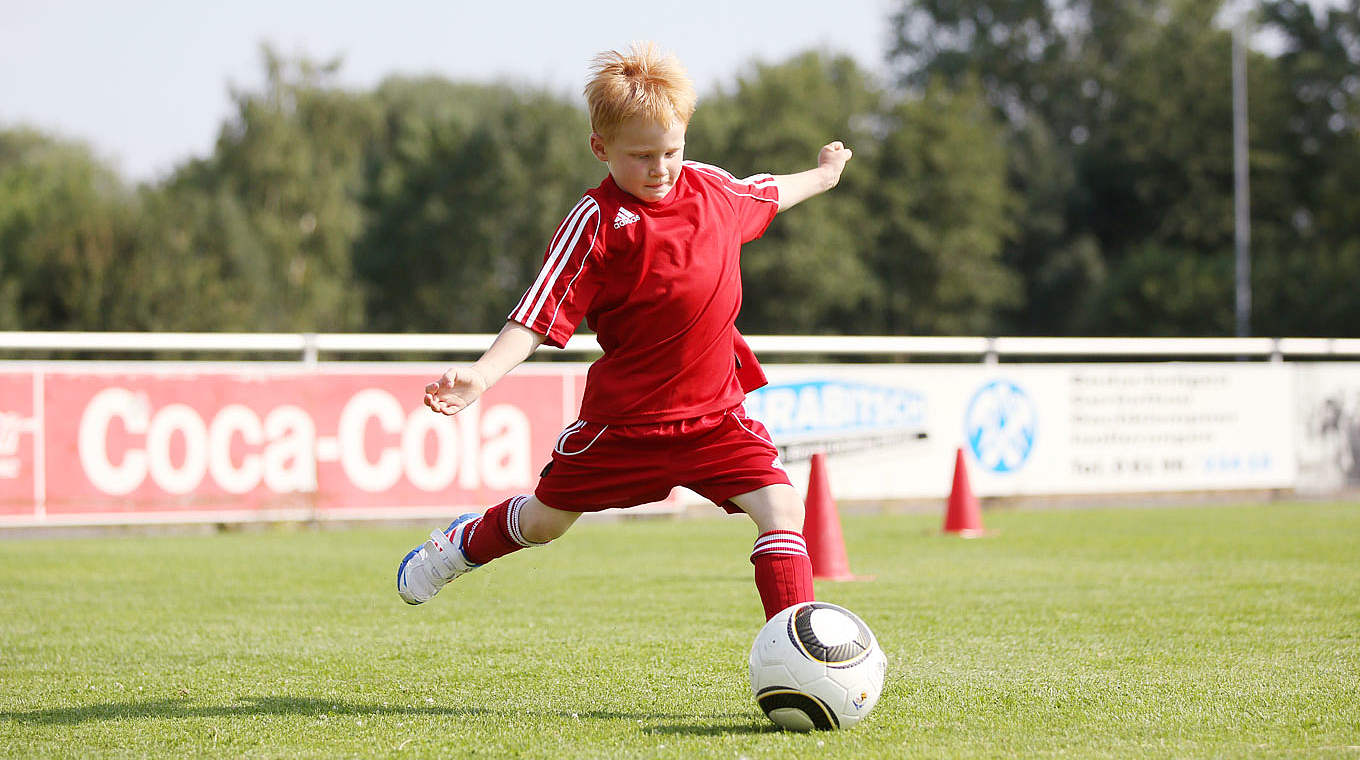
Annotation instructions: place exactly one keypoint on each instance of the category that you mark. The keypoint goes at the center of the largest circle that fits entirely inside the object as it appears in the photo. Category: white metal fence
(312, 347)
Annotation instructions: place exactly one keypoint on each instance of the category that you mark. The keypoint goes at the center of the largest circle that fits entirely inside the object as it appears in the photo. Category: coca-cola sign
(151, 441)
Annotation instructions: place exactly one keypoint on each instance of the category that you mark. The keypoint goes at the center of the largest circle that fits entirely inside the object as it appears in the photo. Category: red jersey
(660, 284)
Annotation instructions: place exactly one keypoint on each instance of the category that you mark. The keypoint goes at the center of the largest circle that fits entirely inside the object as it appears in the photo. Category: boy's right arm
(796, 188)
(459, 387)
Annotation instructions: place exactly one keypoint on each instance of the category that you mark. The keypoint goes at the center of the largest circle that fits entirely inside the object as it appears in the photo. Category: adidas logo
(624, 218)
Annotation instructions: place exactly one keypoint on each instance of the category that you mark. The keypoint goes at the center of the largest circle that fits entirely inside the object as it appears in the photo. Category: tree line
(1030, 167)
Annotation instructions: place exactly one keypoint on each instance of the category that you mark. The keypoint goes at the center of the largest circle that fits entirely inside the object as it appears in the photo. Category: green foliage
(1157, 180)
(810, 272)
(908, 242)
(65, 234)
(1025, 63)
(1037, 167)
(943, 215)
(292, 161)
(199, 266)
(464, 193)
(1306, 172)
(1120, 155)
(1158, 166)
(1170, 292)
(1060, 267)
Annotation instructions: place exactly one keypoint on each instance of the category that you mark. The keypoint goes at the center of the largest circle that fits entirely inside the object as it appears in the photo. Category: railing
(309, 347)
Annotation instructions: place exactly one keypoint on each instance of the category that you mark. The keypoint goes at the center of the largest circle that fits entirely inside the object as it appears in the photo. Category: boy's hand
(796, 188)
(832, 159)
(455, 390)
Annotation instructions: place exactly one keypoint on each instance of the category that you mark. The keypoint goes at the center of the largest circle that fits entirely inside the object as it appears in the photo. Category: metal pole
(1241, 196)
(310, 354)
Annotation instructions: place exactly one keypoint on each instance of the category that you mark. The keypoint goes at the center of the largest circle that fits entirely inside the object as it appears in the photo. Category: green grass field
(1215, 631)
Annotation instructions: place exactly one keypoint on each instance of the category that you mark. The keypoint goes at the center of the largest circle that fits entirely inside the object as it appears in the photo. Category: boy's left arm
(796, 188)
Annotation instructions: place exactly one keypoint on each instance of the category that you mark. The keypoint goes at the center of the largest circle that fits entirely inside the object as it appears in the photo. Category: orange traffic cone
(822, 528)
(963, 516)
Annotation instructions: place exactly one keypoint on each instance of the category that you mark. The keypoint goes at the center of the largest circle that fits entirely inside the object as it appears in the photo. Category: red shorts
(718, 456)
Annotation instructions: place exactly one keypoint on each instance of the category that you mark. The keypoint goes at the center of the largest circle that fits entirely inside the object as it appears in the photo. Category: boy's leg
(515, 524)
(782, 567)
(473, 540)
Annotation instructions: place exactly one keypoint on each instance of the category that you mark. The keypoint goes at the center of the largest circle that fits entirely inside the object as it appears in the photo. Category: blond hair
(645, 82)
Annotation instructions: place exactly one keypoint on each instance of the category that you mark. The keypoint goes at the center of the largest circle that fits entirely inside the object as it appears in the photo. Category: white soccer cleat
(425, 569)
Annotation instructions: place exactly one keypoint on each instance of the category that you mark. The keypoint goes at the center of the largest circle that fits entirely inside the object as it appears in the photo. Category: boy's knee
(788, 511)
(774, 508)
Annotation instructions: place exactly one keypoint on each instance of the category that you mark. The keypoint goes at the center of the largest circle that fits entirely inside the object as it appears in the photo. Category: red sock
(496, 533)
(783, 570)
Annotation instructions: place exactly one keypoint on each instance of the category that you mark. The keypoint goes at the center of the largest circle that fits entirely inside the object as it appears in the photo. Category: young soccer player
(650, 259)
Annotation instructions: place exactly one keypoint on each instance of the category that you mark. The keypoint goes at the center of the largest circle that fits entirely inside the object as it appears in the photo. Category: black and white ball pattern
(816, 666)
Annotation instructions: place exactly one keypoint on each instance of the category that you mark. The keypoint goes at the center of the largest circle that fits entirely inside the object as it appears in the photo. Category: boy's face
(644, 157)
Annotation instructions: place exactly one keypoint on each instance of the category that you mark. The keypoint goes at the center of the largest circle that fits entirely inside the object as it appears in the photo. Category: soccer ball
(816, 666)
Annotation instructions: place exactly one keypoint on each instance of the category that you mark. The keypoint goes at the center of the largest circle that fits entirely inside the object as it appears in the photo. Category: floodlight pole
(1241, 197)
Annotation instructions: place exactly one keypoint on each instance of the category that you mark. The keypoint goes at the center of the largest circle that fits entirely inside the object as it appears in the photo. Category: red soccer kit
(660, 284)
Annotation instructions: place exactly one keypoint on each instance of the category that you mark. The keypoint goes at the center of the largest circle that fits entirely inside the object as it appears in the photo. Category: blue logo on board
(833, 416)
(1000, 424)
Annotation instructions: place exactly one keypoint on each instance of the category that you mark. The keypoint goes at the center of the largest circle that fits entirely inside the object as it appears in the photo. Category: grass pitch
(1192, 632)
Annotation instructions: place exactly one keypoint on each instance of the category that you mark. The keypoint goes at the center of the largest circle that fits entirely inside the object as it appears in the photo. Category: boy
(650, 259)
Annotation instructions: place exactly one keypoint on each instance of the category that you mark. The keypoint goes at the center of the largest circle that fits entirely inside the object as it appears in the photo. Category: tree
(1118, 120)
(465, 192)
(808, 273)
(942, 208)
(1157, 178)
(198, 266)
(65, 234)
(1015, 49)
(1023, 56)
(1306, 116)
(909, 241)
(287, 173)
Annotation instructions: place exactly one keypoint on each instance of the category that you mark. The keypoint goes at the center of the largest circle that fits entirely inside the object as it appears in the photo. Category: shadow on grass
(180, 708)
(716, 725)
(725, 729)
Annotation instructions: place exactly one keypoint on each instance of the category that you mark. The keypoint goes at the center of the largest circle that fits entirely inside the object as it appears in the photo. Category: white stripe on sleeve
(566, 240)
(733, 185)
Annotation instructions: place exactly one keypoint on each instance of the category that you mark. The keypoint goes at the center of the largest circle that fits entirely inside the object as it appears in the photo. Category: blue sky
(146, 82)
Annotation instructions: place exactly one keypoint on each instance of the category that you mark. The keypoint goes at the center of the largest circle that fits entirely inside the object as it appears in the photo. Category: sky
(147, 83)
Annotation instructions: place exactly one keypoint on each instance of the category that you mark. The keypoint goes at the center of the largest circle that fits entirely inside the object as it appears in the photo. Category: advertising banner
(20, 486)
(151, 442)
(143, 442)
(892, 431)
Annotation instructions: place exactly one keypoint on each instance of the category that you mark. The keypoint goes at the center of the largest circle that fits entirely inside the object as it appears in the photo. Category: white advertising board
(892, 431)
